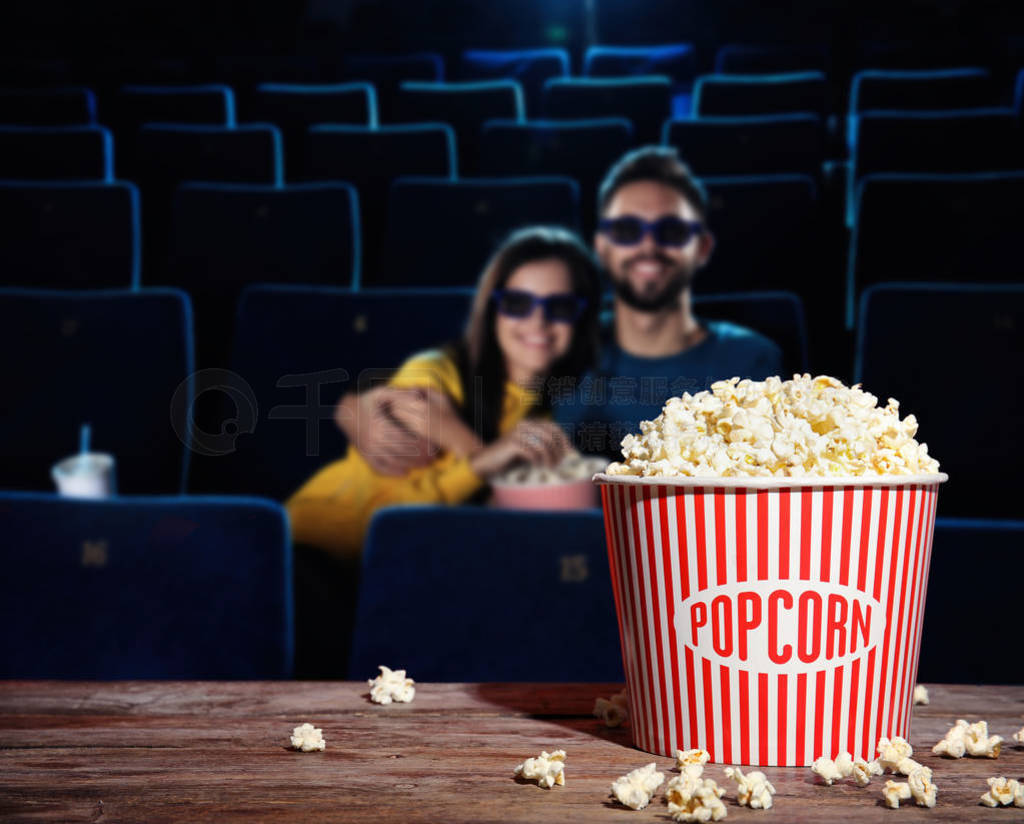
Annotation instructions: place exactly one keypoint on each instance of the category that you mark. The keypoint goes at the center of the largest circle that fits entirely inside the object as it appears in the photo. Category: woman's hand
(541, 443)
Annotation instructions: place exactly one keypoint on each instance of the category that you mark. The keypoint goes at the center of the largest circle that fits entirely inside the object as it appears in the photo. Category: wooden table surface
(218, 751)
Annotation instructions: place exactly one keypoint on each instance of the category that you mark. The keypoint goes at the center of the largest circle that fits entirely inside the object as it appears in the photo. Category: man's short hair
(660, 164)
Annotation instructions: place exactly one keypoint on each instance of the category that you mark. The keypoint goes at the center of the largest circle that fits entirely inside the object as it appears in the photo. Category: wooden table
(202, 751)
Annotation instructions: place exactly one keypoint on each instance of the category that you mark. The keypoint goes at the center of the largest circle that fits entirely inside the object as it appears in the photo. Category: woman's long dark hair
(478, 355)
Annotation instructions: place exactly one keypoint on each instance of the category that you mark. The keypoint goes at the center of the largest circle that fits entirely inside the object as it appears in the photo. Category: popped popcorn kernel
(1002, 792)
(954, 745)
(308, 738)
(925, 793)
(892, 752)
(864, 770)
(547, 769)
(827, 769)
(692, 761)
(691, 799)
(1019, 736)
(391, 685)
(969, 739)
(635, 788)
(613, 711)
(921, 694)
(894, 792)
(753, 790)
(800, 427)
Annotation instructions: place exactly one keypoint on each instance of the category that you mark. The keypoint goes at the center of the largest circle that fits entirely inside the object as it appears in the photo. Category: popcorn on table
(547, 769)
(921, 787)
(1003, 792)
(692, 762)
(801, 427)
(391, 685)
(753, 790)
(308, 738)
(970, 739)
(635, 789)
(894, 792)
(921, 694)
(1019, 736)
(691, 798)
(892, 753)
(613, 711)
(845, 766)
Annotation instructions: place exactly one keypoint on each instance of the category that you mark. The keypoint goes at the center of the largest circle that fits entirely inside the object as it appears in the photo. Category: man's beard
(663, 299)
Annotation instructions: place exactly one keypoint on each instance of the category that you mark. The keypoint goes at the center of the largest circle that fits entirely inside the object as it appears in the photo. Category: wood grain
(188, 751)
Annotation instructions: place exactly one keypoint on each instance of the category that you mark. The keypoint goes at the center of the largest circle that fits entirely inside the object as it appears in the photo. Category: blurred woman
(480, 403)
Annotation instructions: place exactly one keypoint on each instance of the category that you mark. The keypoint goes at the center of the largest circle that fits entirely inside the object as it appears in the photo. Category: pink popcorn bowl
(563, 495)
(769, 620)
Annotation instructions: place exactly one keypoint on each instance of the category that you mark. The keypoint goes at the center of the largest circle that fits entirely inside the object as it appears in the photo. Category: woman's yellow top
(332, 510)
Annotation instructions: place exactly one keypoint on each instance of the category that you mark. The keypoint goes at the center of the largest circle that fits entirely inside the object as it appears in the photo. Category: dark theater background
(220, 217)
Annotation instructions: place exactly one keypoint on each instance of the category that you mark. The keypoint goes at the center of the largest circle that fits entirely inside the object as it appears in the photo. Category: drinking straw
(84, 436)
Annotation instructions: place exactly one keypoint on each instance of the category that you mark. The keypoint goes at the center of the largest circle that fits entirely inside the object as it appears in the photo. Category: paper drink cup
(86, 475)
(769, 620)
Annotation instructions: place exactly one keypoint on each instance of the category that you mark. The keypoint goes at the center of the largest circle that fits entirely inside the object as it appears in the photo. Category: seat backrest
(758, 144)
(922, 343)
(530, 68)
(298, 106)
(141, 587)
(899, 219)
(56, 153)
(69, 234)
(677, 60)
(212, 104)
(645, 101)
(967, 646)
(746, 94)
(779, 316)
(907, 90)
(116, 359)
(297, 349)
(741, 58)
(60, 106)
(464, 594)
(171, 154)
(443, 232)
(387, 72)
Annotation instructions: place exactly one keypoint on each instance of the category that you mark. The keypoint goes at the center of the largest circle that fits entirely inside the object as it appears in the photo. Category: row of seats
(440, 231)
(266, 424)
(214, 579)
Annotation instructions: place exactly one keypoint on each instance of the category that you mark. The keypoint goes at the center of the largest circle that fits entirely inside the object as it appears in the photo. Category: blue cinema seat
(117, 359)
(953, 355)
(59, 106)
(296, 350)
(293, 108)
(530, 68)
(470, 594)
(226, 236)
(727, 95)
(645, 101)
(144, 587)
(581, 149)
(778, 316)
(767, 233)
(56, 153)
(463, 106)
(443, 232)
(387, 72)
(371, 159)
(677, 60)
(69, 234)
(969, 646)
(956, 227)
(750, 145)
(757, 58)
(965, 88)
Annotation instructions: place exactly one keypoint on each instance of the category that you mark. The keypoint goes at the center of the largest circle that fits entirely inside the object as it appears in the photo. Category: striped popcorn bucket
(769, 621)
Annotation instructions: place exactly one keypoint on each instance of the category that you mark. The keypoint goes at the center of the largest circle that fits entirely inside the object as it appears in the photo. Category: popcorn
(753, 790)
(1019, 736)
(573, 467)
(548, 769)
(308, 738)
(863, 770)
(801, 427)
(691, 798)
(391, 685)
(921, 694)
(845, 766)
(827, 769)
(969, 739)
(892, 753)
(692, 762)
(921, 787)
(894, 792)
(1003, 793)
(634, 790)
(613, 711)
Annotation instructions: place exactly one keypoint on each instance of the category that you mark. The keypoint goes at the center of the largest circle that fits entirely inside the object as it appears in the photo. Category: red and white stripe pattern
(667, 544)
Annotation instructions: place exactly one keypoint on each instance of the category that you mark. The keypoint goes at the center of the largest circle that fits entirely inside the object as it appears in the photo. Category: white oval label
(781, 627)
